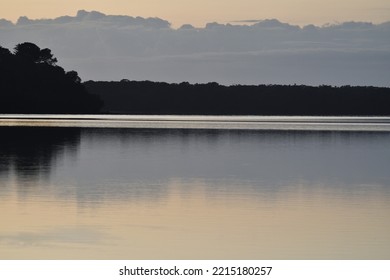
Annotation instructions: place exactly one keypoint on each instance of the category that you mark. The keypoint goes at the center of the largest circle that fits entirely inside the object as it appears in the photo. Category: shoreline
(284, 123)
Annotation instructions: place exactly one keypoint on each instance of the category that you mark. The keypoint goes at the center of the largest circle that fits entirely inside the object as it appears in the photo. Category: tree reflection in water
(31, 152)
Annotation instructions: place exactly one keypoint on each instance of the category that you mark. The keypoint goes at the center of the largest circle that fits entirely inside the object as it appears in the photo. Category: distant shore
(31, 82)
(159, 98)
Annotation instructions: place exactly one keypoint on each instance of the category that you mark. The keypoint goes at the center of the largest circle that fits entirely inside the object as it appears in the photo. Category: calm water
(151, 193)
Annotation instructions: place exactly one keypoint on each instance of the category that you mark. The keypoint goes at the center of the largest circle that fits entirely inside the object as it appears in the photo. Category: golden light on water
(302, 222)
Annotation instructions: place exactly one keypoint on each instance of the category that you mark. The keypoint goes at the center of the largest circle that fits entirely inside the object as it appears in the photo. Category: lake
(165, 187)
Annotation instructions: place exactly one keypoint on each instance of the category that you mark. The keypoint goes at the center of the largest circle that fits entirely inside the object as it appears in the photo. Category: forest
(32, 82)
(146, 97)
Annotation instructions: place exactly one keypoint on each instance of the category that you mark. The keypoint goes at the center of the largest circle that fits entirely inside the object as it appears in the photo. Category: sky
(349, 43)
(199, 12)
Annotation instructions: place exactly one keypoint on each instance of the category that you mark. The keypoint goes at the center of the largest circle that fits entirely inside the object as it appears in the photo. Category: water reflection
(138, 163)
(266, 161)
(138, 193)
(33, 151)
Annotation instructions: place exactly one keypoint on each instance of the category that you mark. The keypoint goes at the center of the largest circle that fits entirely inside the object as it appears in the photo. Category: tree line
(146, 97)
(32, 82)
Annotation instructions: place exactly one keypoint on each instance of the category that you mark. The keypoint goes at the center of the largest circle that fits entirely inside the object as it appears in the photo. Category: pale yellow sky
(200, 12)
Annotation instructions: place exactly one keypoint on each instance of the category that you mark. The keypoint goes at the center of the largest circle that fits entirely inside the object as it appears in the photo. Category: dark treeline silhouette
(145, 97)
(31, 82)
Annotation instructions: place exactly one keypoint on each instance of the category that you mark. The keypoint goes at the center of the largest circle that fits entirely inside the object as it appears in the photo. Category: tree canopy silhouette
(32, 82)
(146, 97)
(31, 52)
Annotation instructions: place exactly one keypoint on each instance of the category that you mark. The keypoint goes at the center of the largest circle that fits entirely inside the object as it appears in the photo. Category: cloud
(5, 23)
(111, 47)
(98, 19)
